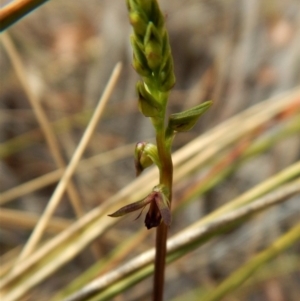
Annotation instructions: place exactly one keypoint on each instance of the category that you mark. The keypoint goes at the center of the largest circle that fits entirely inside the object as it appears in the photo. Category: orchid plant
(152, 60)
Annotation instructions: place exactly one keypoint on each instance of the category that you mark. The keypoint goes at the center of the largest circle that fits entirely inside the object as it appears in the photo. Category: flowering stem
(152, 59)
(159, 264)
(165, 178)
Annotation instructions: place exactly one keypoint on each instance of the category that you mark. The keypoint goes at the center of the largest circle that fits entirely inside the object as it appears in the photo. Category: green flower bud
(139, 59)
(141, 159)
(146, 6)
(138, 22)
(152, 34)
(153, 47)
(140, 68)
(132, 5)
(148, 105)
(153, 54)
(166, 75)
(168, 83)
(156, 16)
(145, 155)
(128, 4)
(150, 8)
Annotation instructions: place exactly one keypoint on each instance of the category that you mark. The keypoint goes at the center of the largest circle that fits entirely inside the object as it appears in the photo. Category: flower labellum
(159, 208)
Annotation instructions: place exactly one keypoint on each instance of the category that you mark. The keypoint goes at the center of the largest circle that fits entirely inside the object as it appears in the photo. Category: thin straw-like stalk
(231, 132)
(185, 242)
(41, 118)
(291, 264)
(61, 125)
(243, 273)
(23, 141)
(234, 128)
(53, 176)
(7, 260)
(229, 160)
(54, 201)
(16, 10)
(283, 266)
(257, 191)
(103, 265)
(26, 220)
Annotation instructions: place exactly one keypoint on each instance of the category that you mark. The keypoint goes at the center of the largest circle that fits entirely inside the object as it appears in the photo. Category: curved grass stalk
(53, 176)
(53, 202)
(228, 163)
(26, 220)
(102, 265)
(16, 10)
(23, 141)
(42, 119)
(242, 274)
(139, 268)
(265, 273)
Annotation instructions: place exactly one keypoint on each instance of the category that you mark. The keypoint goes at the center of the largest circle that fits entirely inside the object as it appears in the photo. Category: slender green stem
(159, 263)
(166, 178)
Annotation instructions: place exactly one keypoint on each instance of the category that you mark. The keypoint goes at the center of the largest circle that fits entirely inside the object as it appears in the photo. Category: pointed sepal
(159, 207)
(184, 121)
(132, 207)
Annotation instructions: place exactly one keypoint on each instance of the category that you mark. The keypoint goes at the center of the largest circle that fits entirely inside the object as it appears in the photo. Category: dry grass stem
(54, 201)
(188, 237)
(237, 278)
(229, 132)
(25, 220)
(257, 191)
(15, 10)
(54, 176)
(41, 118)
(7, 260)
(104, 264)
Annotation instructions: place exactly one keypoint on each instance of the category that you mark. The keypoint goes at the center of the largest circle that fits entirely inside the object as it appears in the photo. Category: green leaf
(184, 121)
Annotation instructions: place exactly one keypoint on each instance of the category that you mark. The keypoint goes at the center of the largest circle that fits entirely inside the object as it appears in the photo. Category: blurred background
(234, 52)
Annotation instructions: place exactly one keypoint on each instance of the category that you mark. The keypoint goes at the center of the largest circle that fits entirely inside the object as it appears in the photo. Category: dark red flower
(158, 211)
